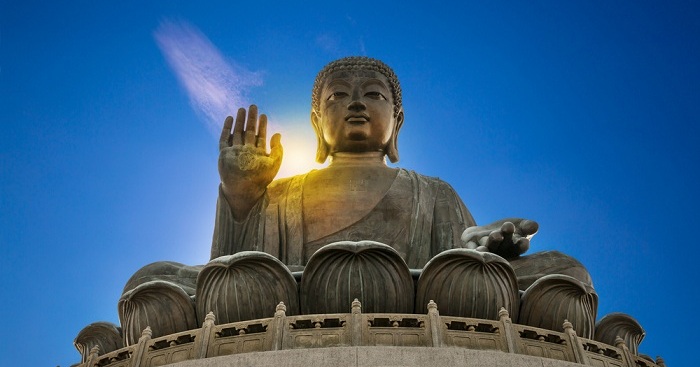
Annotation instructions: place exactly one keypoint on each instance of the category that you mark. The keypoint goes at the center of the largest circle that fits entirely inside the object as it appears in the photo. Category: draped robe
(419, 216)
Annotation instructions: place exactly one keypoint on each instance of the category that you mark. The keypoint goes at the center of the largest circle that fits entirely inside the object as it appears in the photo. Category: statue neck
(366, 159)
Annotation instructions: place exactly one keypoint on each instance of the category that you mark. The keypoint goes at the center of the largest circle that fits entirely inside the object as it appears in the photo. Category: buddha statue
(268, 231)
(356, 112)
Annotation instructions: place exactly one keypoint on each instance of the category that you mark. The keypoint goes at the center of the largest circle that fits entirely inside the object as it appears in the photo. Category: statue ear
(392, 150)
(322, 148)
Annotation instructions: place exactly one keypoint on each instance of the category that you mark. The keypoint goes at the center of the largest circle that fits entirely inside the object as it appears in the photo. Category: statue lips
(358, 125)
(357, 118)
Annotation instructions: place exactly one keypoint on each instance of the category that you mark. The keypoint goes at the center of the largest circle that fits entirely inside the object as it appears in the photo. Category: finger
(483, 241)
(471, 245)
(529, 227)
(495, 237)
(237, 138)
(482, 249)
(494, 240)
(225, 139)
(250, 125)
(467, 234)
(262, 133)
(276, 147)
(523, 245)
(474, 233)
(508, 228)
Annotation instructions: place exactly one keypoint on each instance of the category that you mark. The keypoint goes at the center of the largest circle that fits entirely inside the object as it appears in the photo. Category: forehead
(350, 76)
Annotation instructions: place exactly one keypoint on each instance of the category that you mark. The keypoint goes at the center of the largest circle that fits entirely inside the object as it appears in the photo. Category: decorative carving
(620, 325)
(555, 298)
(105, 335)
(163, 306)
(469, 283)
(369, 271)
(245, 286)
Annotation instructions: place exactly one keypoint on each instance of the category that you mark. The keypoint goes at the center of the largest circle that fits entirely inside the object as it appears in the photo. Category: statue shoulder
(280, 187)
(435, 183)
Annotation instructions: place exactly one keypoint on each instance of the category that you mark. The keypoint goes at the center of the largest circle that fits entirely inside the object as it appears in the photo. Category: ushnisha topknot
(357, 63)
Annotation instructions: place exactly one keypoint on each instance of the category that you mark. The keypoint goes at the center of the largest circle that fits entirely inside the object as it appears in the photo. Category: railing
(358, 329)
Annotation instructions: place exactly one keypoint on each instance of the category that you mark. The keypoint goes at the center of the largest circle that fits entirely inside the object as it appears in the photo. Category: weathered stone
(469, 283)
(163, 306)
(105, 335)
(245, 286)
(620, 325)
(552, 299)
(378, 356)
(182, 275)
(532, 267)
(372, 272)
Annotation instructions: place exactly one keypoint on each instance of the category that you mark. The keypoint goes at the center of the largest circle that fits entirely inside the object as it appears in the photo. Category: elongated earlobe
(392, 149)
(322, 149)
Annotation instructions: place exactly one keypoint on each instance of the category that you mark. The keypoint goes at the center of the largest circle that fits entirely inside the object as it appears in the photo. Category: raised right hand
(245, 167)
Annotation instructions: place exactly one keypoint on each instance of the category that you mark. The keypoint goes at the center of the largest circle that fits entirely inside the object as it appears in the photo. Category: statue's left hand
(508, 238)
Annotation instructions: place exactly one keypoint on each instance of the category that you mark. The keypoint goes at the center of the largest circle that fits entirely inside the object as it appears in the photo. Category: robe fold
(419, 216)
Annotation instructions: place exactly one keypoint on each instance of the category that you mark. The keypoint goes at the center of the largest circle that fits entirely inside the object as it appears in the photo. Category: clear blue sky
(582, 115)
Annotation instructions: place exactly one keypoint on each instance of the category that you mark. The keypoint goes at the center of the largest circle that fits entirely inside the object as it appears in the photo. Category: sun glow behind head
(299, 143)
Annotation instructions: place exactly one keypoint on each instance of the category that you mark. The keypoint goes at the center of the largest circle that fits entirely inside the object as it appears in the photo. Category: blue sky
(582, 115)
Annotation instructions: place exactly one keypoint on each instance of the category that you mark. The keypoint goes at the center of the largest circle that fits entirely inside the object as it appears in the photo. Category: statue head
(356, 107)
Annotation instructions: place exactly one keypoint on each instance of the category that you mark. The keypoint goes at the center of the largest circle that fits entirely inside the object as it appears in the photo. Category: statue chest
(334, 199)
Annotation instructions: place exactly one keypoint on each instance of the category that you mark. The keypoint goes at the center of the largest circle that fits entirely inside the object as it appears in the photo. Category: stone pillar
(141, 348)
(356, 322)
(573, 340)
(206, 334)
(435, 324)
(507, 326)
(278, 326)
(92, 356)
(627, 358)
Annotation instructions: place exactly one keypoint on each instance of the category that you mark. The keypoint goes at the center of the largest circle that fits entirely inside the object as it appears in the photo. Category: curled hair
(357, 63)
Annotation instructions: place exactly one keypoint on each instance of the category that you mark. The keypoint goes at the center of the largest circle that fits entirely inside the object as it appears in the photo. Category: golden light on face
(356, 112)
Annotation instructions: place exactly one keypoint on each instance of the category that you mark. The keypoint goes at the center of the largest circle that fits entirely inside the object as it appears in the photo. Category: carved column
(92, 356)
(435, 324)
(575, 343)
(141, 348)
(507, 326)
(206, 334)
(278, 326)
(626, 355)
(356, 322)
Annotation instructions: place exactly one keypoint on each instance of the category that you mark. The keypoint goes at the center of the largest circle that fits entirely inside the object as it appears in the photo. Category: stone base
(376, 356)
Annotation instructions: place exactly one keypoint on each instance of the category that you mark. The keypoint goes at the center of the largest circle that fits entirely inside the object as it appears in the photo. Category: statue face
(356, 112)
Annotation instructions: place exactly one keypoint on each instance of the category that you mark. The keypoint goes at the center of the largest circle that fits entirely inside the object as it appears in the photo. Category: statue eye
(375, 95)
(337, 95)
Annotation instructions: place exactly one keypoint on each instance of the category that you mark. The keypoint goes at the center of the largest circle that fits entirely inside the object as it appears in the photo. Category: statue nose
(356, 105)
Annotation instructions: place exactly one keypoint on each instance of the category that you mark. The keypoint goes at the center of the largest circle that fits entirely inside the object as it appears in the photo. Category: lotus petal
(164, 306)
(619, 324)
(105, 335)
(372, 272)
(469, 283)
(552, 299)
(245, 286)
